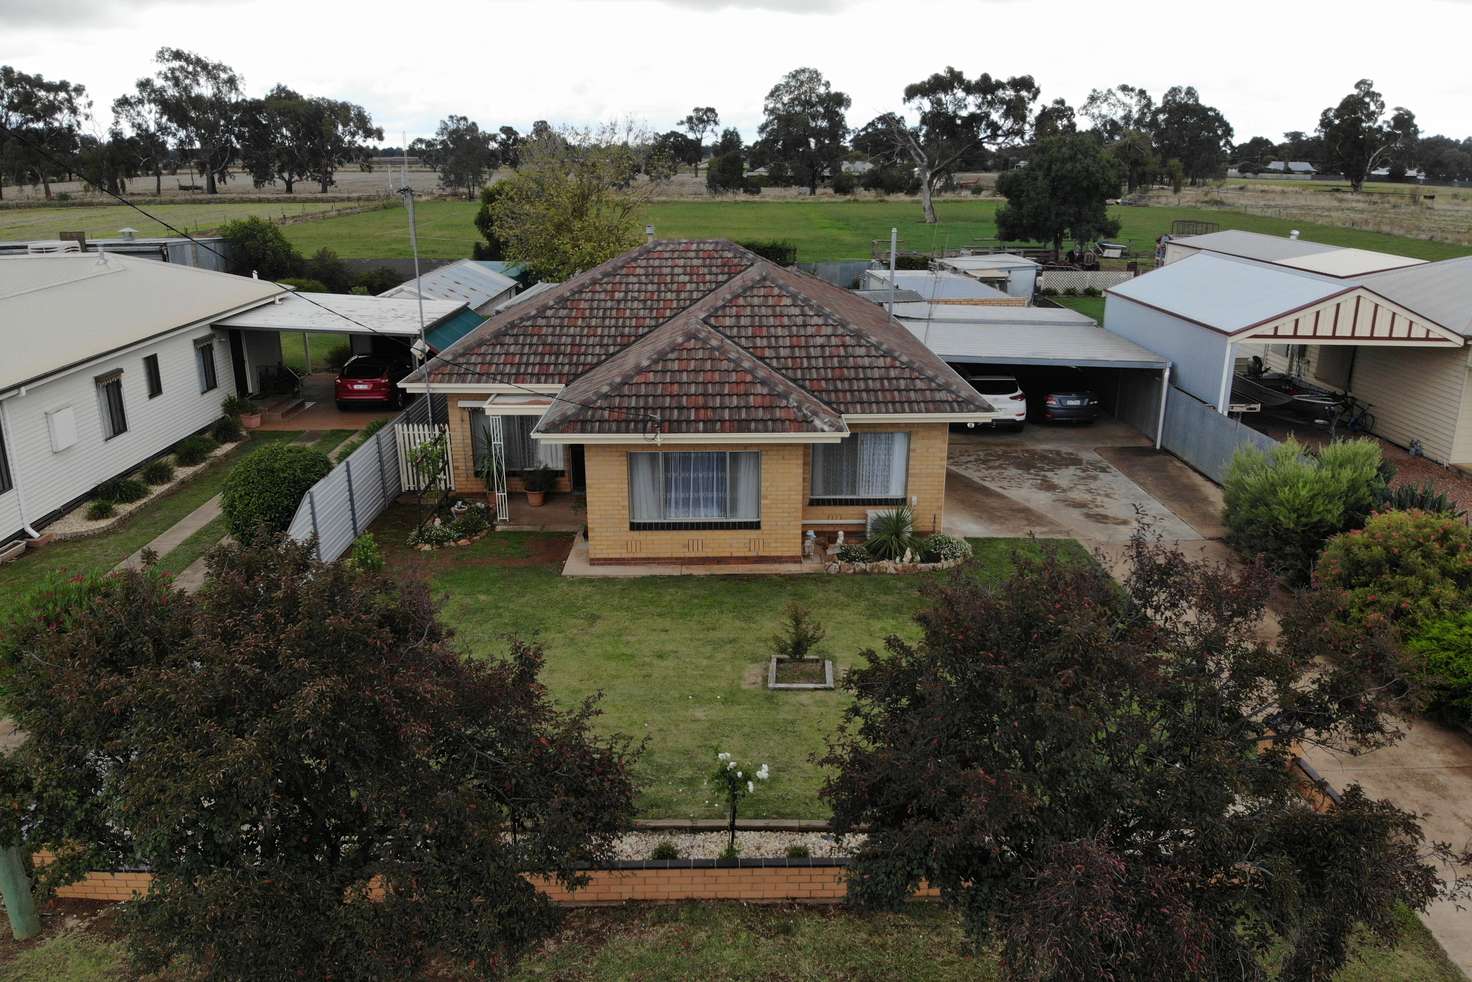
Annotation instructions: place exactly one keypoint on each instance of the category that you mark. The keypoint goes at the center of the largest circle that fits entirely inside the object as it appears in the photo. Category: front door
(576, 471)
(237, 363)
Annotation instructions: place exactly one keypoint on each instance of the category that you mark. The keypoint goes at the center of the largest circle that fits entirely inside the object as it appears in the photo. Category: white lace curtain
(522, 452)
(695, 486)
(866, 465)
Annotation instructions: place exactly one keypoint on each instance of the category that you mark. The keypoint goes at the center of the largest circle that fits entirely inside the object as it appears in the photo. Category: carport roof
(1226, 294)
(1074, 345)
(343, 313)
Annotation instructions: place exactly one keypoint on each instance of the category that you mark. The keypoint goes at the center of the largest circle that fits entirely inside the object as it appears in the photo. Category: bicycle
(1354, 415)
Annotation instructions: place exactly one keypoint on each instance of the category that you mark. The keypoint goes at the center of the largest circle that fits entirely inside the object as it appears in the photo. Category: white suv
(1006, 397)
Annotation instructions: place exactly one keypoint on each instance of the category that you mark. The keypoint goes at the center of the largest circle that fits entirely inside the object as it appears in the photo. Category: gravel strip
(76, 523)
(752, 845)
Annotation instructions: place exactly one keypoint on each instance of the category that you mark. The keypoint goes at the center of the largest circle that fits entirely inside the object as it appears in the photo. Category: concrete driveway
(1083, 482)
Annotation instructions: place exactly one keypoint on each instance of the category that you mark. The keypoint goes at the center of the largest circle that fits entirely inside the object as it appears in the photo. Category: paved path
(174, 536)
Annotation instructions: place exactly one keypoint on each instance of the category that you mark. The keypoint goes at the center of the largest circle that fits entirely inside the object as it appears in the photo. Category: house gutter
(20, 494)
(1164, 395)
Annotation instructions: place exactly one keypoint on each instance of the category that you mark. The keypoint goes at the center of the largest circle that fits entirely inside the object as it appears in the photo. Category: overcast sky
(1268, 67)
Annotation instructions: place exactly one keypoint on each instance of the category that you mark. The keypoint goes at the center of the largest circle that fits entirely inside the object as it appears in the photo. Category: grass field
(100, 221)
(681, 659)
(723, 943)
(822, 229)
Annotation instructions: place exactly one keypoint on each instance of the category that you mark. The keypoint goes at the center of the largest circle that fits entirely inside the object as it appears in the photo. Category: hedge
(263, 491)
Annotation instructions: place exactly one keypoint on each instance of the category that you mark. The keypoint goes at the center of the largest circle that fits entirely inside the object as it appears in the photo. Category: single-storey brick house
(713, 406)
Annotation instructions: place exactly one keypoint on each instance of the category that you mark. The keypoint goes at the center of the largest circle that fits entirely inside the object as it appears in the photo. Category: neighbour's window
(155, 380)
(696, 489)
(204, 354)
(865, 469)
(5, 482)
(522, 453)
(110, 401)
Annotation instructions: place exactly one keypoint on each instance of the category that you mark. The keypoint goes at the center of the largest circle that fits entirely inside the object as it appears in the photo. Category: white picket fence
(412, 436)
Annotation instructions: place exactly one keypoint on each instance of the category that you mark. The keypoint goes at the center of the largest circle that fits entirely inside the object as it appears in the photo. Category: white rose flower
(723, 756)
(750, 788)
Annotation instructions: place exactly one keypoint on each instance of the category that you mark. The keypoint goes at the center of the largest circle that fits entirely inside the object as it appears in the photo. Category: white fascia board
(505, 409)
(490, 388)
(977, 417)
(662, 439)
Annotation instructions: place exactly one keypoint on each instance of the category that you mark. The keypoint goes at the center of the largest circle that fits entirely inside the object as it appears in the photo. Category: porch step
(288, 408)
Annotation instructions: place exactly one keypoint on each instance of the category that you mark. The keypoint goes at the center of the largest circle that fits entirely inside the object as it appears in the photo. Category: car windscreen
(994, 386)
(364, 369)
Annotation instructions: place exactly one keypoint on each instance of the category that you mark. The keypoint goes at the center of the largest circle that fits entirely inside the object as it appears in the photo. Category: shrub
(304, 284)
(751, 187)
(1444, 647)
(1285, 504)
(665, 849)
(844, 183)
(338, 355)
(942, 548)
(1093, 291)
(227, 429)
(365, 554)
(157, 471)
(432, 534)
(801, 633)
(539, 479)
(193, 450)
(892, 533)
(1403, 568)
(854, 552)
(379, 279)
(257, 246)
(1069, 291)
(891, 179)
(778, 251)
(1424, 498)
(238, 406)
(328, 269)
(100, 509)
(725, 173)
(263, 491)
(799, 852)
(122, 490)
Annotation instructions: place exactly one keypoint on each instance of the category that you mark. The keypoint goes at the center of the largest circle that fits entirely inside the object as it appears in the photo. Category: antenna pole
(894, 244)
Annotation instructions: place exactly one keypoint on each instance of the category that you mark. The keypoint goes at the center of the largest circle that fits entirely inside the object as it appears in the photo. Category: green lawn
(102, 552)
(1088, 306)
(681, 660)
(823, 228)
(322, 345)
(727, 942)
(195, 217)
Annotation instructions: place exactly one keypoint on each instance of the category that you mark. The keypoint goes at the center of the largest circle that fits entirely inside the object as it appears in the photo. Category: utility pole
(894, 244)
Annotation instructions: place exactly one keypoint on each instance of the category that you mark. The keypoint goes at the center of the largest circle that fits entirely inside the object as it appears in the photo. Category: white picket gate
(412, 436)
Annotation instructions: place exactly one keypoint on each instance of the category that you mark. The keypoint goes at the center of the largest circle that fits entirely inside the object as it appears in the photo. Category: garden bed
(809, 673)
(890, 567)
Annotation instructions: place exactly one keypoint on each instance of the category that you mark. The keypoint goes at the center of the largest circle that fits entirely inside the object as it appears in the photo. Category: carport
(372, 325)
(1131, 380)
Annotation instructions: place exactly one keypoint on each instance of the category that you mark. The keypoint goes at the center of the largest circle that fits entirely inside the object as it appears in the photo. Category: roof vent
(128, 234)
(1293, 234)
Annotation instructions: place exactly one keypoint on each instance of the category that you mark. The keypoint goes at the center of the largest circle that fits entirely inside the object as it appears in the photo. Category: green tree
(491, 246)
(320, 783)
(200, 99)
(1057, 118)
(954, 116)
(1357, 135)
(574, 202)
(1114, 112)
(1136, 156)
(1197, 135)
(1063, 191)
(142, 113)
(508, 146)
(273, 138)
(461, 152)
(42, 121)
(254, 245)
(702, 120)
(802, 134)
(1258, 152)
(1085, 773)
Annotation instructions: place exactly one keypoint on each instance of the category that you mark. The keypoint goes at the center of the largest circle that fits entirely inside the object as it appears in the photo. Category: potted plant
(244, 410)
(537, 483)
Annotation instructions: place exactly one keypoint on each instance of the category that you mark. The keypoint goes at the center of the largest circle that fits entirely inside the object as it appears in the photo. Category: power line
(653, 418)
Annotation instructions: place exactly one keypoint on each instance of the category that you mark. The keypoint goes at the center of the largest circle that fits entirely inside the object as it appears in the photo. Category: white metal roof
(997, 260)
(1350, 262)
(466, 281)
(60, 311)
(1441, 291)
(525, 295)
(1226, 294)
(1022, 317)
(1075, 345)
(937, 285)
(378, 315)
(1314, 257)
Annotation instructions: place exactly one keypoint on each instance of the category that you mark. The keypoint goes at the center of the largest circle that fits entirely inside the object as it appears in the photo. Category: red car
(369, 379)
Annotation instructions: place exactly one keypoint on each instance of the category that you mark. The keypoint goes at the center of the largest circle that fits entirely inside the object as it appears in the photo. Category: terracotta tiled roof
(693, 380)
(707, 338)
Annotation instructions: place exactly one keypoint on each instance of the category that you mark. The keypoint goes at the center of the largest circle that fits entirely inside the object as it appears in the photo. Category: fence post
(316, 532)
(352, 500)
(382, 474)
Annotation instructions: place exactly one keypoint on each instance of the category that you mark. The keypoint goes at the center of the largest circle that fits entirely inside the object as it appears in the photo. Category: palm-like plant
(892, 533)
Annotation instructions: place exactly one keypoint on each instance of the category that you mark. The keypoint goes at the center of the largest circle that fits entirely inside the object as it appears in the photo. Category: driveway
(1083, 482)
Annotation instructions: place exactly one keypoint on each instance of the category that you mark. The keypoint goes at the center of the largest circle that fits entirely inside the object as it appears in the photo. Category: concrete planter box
(772, 682)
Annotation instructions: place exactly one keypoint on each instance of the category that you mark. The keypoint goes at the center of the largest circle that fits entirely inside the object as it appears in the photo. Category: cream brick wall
(462, 449)
(929, 444)
(779, 538)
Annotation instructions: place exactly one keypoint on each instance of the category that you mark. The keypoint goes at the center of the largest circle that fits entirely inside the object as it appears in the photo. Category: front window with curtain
(695, 490)
(522, 452)
(865, 469)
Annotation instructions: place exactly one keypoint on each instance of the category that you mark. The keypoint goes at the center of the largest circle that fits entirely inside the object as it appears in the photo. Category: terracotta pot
(250, 421)
(535, 499)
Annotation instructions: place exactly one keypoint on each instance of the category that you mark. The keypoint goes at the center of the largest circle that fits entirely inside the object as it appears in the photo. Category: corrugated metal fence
(343, 504)
(1203, 437)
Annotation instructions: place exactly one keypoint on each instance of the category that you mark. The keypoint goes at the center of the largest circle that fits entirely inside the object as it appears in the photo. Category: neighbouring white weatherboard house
(1013, 275)
(1389, 330)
